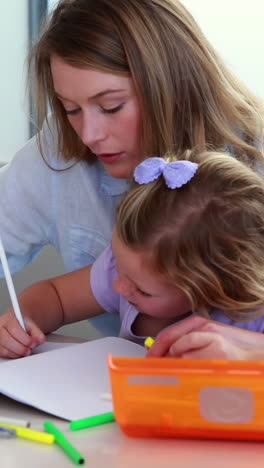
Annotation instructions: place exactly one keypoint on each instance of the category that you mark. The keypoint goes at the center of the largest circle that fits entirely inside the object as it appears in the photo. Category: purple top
(103, 274)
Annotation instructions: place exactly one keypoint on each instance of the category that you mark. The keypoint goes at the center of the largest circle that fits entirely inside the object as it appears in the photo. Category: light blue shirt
(73, 210)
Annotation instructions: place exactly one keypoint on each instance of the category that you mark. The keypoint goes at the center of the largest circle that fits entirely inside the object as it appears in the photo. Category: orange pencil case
(166, 397)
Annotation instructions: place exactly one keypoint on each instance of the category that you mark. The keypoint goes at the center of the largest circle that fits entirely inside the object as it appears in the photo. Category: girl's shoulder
(256, 325)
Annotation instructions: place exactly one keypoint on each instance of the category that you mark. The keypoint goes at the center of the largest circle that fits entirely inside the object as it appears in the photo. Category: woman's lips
(109, 158)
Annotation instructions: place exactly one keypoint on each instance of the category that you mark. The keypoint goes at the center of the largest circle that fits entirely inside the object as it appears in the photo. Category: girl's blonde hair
(206, 237)
(187, 96)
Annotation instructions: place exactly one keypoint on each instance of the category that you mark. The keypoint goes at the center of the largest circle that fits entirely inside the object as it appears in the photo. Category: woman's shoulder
(29, 155)
(41, 150)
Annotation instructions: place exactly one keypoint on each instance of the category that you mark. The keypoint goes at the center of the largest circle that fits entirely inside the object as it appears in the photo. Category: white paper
(66, 382)
(47, 346)
(50, 346)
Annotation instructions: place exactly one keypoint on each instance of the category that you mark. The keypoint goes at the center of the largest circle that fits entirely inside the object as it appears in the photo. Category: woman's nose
(92, 130)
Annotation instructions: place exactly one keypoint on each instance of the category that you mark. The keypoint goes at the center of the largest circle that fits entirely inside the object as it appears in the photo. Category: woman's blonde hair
(206, 237)
(187, 96)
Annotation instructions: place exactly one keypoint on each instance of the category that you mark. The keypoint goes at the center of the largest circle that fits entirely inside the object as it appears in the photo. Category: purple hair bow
(176, 173)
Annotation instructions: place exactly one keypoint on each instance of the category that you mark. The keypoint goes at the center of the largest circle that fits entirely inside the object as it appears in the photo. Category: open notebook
(67, 382)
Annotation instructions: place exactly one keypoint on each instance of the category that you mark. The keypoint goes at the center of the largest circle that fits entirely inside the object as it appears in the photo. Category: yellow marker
(149, 342)
(37, 436)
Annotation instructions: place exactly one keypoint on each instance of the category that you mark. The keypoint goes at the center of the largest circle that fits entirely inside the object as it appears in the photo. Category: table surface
(107, 447)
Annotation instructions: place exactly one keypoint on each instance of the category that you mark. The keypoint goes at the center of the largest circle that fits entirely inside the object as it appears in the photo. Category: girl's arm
(46, 306)
(198, 337)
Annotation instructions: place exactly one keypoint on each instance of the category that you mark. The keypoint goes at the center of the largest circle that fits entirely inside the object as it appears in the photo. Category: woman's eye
(72, 112)
(113, 109)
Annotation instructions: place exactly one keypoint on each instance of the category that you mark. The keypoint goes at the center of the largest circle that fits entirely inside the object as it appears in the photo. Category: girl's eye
(143, 293)
(114, 109)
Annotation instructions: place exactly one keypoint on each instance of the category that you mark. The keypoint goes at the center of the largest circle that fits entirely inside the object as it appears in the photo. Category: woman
(124, 81)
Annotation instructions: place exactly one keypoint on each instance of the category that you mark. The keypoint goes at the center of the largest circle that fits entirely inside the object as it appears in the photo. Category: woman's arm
(27, 197)
(46, 306)
(198, 337)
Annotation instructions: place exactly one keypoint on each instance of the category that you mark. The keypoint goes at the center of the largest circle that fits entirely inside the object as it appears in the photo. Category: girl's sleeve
(103, 274)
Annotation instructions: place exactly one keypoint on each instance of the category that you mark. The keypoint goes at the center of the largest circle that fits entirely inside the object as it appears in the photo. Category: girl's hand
(206, 345)
(198, 337)
(14, 341)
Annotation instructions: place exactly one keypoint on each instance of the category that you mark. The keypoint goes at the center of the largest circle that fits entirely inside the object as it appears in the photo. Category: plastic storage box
(166, 397)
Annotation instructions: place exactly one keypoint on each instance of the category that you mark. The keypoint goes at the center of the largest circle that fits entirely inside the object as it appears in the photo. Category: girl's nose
(123, 286)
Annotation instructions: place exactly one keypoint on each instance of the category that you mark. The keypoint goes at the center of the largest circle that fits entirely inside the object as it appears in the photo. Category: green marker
(92, 421)
(61, 440)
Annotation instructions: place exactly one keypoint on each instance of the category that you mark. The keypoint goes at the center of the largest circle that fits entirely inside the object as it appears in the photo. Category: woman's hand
(199, 338)
(14, 341)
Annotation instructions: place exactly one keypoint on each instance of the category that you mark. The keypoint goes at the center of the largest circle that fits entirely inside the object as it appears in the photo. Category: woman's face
(103, 109)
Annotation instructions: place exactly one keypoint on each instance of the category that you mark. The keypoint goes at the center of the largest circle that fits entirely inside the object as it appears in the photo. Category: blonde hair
(206, 237)
(187, 96)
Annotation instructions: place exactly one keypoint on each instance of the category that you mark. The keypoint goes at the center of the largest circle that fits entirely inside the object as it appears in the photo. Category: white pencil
(10, 286)
(14, 422)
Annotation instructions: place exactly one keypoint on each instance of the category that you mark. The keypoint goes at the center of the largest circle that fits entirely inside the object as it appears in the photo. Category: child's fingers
(15, 330)
(5, 353)
(245, 339)
(202, 353)
(10, 347)
(14, 341)
(191, 342)
(37, 337)
(205, 345)
(167, 337)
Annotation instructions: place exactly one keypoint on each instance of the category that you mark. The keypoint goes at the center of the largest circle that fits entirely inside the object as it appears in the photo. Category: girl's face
(103, 109)
(143, 287)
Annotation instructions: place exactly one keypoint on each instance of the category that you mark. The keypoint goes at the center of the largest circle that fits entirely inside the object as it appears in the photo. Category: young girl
(189, 240)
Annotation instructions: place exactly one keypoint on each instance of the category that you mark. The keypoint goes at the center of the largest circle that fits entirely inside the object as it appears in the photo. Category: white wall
(13, 48)
(235, 28)
(51, 4)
